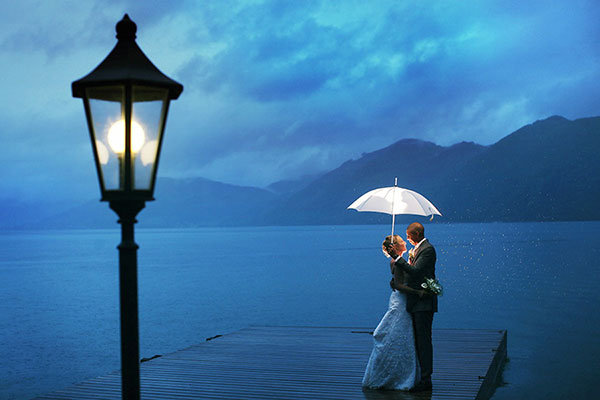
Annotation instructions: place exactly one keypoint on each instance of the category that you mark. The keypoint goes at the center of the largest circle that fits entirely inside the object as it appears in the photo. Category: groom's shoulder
(427, 244)
(428, 247)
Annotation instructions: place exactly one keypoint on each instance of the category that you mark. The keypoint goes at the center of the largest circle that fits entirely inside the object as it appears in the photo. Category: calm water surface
(59, 295)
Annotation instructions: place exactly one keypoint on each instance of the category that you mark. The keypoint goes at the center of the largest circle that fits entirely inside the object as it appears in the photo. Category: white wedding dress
(393, 364)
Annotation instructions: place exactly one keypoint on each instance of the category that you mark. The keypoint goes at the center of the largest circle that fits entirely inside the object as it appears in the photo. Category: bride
(393, 364)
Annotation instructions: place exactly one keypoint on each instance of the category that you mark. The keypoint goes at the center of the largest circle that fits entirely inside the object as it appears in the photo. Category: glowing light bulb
(148, 153)
(116, 137)
(102, 152)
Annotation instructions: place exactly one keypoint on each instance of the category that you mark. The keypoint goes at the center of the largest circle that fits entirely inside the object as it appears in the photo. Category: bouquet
(433, 286)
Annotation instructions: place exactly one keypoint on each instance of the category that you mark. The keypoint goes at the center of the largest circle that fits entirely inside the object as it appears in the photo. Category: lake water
(59, 315)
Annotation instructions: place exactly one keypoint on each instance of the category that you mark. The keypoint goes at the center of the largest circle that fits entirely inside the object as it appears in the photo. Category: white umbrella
(394, 200)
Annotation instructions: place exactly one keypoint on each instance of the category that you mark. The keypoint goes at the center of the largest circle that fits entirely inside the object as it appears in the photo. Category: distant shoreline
(142, 227)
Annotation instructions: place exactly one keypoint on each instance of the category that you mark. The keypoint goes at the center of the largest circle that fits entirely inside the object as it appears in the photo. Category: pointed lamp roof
(126, 63)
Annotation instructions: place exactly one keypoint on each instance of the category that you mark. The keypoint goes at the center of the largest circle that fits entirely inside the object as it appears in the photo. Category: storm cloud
(276, 90)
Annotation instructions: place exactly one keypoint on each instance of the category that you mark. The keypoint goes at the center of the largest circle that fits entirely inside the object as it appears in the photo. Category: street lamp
(126, 100)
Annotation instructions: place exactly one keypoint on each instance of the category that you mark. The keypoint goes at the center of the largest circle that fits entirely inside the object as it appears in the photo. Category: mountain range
(545, 171)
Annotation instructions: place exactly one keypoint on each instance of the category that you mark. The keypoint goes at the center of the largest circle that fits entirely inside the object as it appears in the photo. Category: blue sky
(279, 89)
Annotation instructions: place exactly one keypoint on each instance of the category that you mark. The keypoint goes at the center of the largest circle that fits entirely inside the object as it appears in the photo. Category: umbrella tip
(396, 181)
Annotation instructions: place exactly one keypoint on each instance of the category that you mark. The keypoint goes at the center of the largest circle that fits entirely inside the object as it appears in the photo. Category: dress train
(393, 363)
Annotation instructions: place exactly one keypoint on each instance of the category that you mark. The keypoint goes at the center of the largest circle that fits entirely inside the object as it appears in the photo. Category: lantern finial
(126, 29)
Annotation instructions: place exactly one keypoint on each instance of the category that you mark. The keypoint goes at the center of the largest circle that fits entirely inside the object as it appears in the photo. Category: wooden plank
(303, 363)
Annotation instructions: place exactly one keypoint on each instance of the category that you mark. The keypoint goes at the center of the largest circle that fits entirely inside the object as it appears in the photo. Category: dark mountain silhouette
(327, 198)
(180, 203)
(202, 202)
(290, 186)
(16, 213)
(545, 171)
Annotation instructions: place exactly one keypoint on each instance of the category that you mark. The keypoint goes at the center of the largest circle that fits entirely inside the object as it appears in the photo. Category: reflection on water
(59, 295)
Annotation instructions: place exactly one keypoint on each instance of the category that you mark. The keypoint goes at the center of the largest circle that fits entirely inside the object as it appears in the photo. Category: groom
(421, 265)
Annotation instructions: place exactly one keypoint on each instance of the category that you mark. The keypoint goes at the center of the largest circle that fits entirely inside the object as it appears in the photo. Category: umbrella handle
(393, 220)
(393, 215)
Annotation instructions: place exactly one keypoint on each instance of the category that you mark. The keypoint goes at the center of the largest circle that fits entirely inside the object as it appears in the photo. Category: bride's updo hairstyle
(387, 243)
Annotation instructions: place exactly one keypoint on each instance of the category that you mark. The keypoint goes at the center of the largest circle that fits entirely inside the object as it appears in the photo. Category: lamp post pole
(128, 292)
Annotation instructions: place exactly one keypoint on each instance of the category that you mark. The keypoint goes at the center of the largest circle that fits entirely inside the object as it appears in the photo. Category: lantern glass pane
(148, 113)
(106, 107)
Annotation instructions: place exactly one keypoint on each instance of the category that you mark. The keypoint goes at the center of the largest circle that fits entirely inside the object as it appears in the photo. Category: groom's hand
(392, 252)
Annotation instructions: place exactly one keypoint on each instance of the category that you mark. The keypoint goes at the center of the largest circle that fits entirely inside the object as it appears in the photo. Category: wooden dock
(302, 363)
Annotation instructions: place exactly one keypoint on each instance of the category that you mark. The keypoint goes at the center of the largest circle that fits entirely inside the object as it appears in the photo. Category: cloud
(277, 89)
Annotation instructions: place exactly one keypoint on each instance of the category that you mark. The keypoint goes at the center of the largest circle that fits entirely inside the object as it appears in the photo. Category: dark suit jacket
(423, 267)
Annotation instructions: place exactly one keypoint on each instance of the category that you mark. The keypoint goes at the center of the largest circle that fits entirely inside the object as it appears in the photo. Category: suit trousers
(422, 323)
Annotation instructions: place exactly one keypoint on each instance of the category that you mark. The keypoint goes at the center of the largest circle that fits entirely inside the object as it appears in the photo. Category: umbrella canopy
(394, 200)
